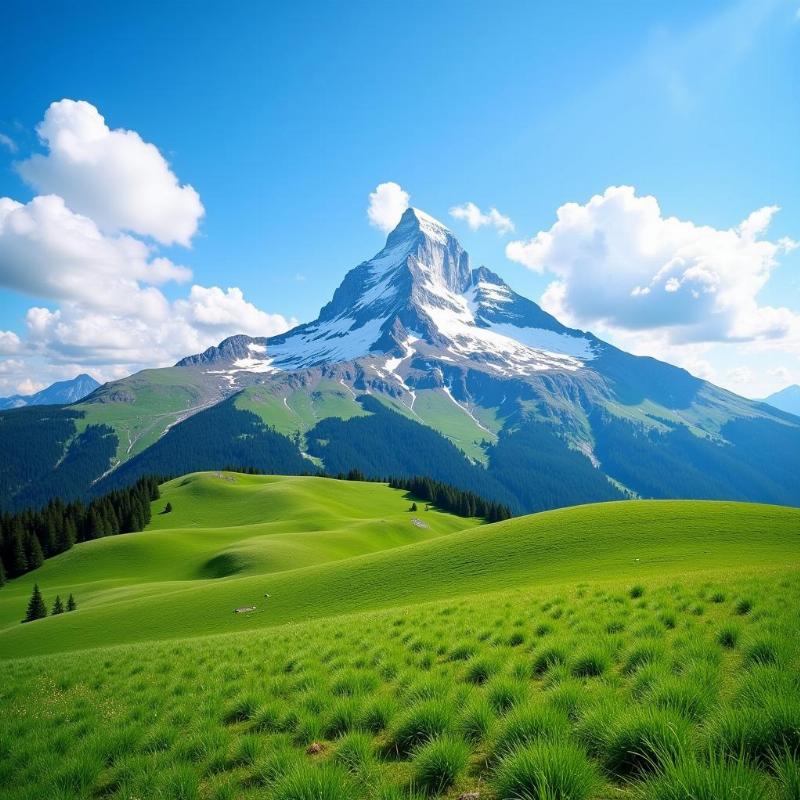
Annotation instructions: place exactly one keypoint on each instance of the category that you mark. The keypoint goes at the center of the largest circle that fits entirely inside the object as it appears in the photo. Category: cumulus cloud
(28, 386)
(76, 334)
(80, 247)
(48, 251)
(112, 176)
(619, 263)
(780, 373)
(214, 310)
(9, 343)
(475, 218)
(386, 205)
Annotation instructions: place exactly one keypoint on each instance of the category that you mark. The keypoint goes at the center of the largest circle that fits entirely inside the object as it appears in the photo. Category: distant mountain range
(419, 364)
(59, 393)
(787, 399)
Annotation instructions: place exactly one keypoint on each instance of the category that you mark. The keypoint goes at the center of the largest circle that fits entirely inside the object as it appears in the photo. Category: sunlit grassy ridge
(685, 689)
(623, 650)
(222, 524)
(326, 547)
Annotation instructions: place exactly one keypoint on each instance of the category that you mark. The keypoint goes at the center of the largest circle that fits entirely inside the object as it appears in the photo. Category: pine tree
(33, 551)
(2, 573)
(58, 606)
(413, 507)
(18, 563)
(36, 606)
(94, 524)
(168, 508)
(71, 604)
(66, 535)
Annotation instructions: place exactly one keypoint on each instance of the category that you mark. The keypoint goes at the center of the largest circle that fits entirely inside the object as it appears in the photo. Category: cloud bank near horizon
(89, 245)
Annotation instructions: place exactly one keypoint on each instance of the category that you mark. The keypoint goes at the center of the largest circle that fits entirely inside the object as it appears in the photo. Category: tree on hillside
(413, 507)
(71, 604)
(58, 606)
(36, 606)
(2, 573)
(167, 508)
(94, 524)
(66, 536)
(33, 551)
(17, 563)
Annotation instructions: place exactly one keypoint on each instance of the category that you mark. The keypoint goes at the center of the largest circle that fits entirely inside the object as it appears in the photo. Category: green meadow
(641, 649)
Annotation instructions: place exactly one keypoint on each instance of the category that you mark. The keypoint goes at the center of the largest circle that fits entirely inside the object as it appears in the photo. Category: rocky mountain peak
(417, 294)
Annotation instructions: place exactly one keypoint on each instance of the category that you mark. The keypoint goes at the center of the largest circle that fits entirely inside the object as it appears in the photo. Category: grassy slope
(298, 411)
(434, 408)
(224, 524)
(596, 668)
(591, 629)
(154, 400)
(149, 586)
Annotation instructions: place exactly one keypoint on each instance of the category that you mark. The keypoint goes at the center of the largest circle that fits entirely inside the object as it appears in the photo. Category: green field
(145, 405)
(622, 650)
(296, 410)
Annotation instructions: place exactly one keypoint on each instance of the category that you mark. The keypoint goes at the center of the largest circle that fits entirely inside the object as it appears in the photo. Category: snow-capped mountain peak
(417, 295)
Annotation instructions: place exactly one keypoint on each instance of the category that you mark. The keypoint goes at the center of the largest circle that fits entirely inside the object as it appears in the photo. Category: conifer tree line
(442, 495)
(448, 498)
(29, 537)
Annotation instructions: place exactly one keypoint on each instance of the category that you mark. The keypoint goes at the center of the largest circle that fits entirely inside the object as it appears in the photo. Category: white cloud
(212, 309)
(29, 386)
(72, 248)
(386, 205)
(124, 343)
(620, 264)
(112, 176)
(48, 251)
(9, 343)
(475, 218)
(8, 143)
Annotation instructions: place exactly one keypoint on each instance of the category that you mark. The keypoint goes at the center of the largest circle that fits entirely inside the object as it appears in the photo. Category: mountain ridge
(58, 393)
(547, 414)
(787, 399)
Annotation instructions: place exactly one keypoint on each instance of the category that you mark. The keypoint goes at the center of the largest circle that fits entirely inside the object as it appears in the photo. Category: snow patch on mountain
(418, 295)
(339, 340)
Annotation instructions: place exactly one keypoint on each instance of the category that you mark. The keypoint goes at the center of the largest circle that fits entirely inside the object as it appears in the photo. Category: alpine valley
(419, 365)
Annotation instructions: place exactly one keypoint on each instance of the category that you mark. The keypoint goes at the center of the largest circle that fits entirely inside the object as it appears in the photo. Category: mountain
(420, 364)
(59, 393)
(787, 400)
(417, 298)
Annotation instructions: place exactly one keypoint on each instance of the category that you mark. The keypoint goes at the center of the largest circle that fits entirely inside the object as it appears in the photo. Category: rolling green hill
(644, 649)
(321, 547)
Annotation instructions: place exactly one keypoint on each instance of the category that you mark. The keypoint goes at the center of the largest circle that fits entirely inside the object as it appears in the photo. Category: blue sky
(285, 119)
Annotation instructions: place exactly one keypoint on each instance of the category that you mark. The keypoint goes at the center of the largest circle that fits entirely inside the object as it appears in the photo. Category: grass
(527, 659)
(320, 547)
(394, 714)
(143, 406)
(438, 763)
(223, 527)
(546, 771)
(290, 411)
